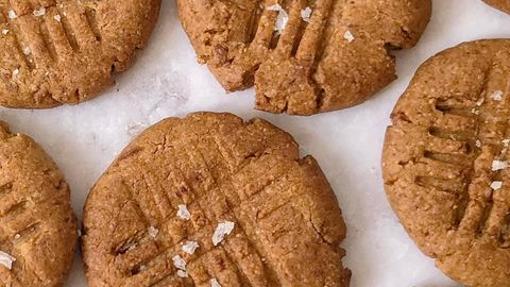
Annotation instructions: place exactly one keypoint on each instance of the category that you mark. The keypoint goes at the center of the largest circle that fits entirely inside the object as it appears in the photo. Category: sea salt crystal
(190, 247)
(182, 273)
(6, 260)
(282, 19)
(497, 95)
(495, 185)
(179, 262)
(183, 212)
(153, 232)
(57, 18)
(306, 14)
(348, 36)
(15, 74)
(39, 12)
(12, 15)
(27, 51)
(214, 283)
(499, 165)
(223, 229)
(478, 143)
(5, 31)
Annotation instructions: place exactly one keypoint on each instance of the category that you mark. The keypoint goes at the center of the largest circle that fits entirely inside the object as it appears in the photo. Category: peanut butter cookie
(210, 200)
(304, 57)
(503, 5)
(66, 52)
(446, 158)
(38, 230)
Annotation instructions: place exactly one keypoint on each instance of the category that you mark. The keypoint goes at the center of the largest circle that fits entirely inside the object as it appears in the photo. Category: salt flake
(39, 12)
(497, 95)
(57, 18)
(6, 260)
(495, 185)
(214, 283)
(12, 15)
(499, 165)
(223, 229)
(182, 273)
(190, 247)
(348, 36)
(27, 51)
(183, 212)
(5, 31)
(15, 74)
(153, 231)
(179, 262)
(306, 14)
(478, 143)
(282, 19)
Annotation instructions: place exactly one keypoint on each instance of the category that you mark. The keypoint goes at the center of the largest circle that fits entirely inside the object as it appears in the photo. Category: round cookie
(445, 161)
(503, 5)
(38, 231)
(305, 57)
(210, 200)
(67, 51)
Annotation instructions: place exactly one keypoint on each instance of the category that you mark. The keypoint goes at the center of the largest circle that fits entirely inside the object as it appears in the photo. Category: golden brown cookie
(67, 51)
(38, 230)
(503, 5)
(445, 161)
(210, 200)
(305, 57)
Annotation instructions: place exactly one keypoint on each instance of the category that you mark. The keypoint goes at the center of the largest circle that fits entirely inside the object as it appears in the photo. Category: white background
(167, 81)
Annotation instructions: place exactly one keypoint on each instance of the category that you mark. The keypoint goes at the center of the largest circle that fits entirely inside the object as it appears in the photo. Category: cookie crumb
(499, 165)
(497, 95)
(57, 18)
(182, 273)
(179, 262)
(348, 36)
(153, 232)
(495, 185)
(281, 20)
(214, 283)
(39, 12)
(223, 229)
(190, 247)
(6, 260)
(183, 212)
(306, 14)
(11, 14)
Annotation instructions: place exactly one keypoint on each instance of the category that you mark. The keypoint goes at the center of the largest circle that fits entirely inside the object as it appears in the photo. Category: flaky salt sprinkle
(182, 273)
(223, 229)
(6, 260)
(348, 36)
(190, 247)
(183, 212)
(57, 18)
(39, 12)
(497, 95)
(281, 20)
(179, 262)
(11, 14)
(306, 14)
(153, 231)
(499, 165)
(27, 51)
(480, 102)
(5, 31)
(495, 185)
(214, 283)
(15, 74)
(478, 143)
(506, 142)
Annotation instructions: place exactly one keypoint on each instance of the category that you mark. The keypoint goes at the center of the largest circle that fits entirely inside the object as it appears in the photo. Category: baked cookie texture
(503, 5)
(445, 161)
(38, 231)
(210, 200)
(304, 57)
(67, 51)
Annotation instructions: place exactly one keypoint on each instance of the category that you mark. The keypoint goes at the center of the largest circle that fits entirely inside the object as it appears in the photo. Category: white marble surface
(167, 81)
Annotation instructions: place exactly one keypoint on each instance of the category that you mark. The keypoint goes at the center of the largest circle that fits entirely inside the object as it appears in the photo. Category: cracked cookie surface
(38, 231)
(445, 161)
(503, 5)
(210, 200)
(58, 52)
(304, 57)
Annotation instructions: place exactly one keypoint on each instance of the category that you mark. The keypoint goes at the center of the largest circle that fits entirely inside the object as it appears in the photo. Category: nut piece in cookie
(38, 230)
(233, 203)
(445, 161)
(304, 57)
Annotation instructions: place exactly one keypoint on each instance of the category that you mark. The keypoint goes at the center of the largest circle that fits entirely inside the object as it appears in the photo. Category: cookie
(503, 5)
(304, 57)
(210, 200)
(38, 231)
(445, 161)
(66, 52)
